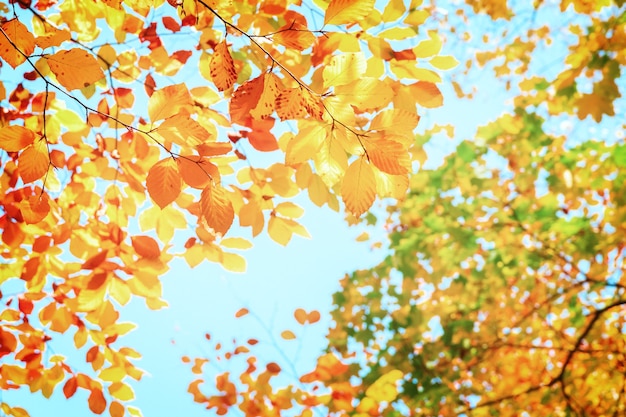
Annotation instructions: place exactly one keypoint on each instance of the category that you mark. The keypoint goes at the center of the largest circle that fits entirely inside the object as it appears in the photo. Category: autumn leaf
(146, 247)
(75, 68)
(34, 161)
(358, 189)
(388, 156)
(167, 102)
(294, 35)
(341, 12)
(216, 208)
(164, 182)
(384, 388)
(97, 402)
(287, 335)
(15, 138)
(222, 67)
(241, 312)
(70, 387)
(427, 94)
(197, 172)
(344, 69)
(19, 45)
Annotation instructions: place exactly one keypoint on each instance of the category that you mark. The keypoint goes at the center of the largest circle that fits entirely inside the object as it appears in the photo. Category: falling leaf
(241, 312)
(287, 335)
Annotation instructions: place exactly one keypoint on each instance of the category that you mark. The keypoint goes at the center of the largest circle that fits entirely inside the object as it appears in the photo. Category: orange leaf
(167, 101)
(8, 343)
(75, 68)
(273, 367)
(33, 162)
(70, 387)
(15, 138)
(300, 315)
(217, 209)
(261, 138)
(53, 37)
(427, 94)
(146, 247)
(21, 37)
(255, 98)
(222, 67)
(294, 36)
(288, 335)
(35, 208)
(116, 409)
(97, 402)
(164, 182)
(340, 12)
(388, 156)
(313, 316)
(197, 172)
(241, 312)
(358, 189)
(290, 104)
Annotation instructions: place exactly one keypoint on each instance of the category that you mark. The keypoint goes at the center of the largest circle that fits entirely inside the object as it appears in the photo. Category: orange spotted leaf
(164, 182)
(222, 67)
(290, 104)
(75, 68)
(21, 37)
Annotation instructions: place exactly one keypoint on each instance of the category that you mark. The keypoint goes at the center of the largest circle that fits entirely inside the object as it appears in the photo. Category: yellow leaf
(288, 335)
(407, 69)
(121, 391)
(236, 243)
(75, 68)
(233, 262)
(394, 10)
(366, 93)
(399, 121)
(428, 47)
(222, 67)
(306, 143)
(358, 189)
(15, 138)
(340, 12)
(34, 161)
(384, 388)
(167, 101)
(444, 62)
(164, 182)
(331, 161)
(216, 208)
(183, 130)
(398, 33)
(344, 69)
(21, 37)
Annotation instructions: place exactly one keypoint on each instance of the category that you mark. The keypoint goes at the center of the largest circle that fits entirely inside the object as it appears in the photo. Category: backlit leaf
(97, 402)
(19, 34)
(15, 138)
(164, 182)
(358, 189)
(216, 208)
(344, 69)
(222, 67)
(167, 101)
(444, 62)
(34, 161)
(294, 35)
(341, 12)
(75, 68)
(146, 247)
